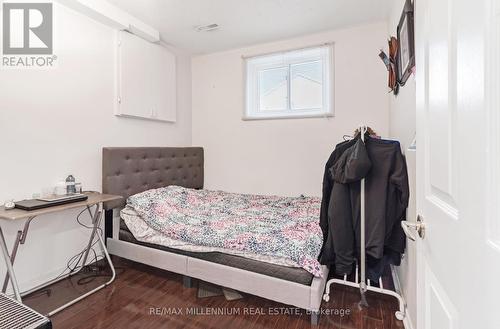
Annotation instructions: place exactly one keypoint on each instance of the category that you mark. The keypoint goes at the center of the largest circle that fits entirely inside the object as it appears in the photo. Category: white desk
(26, 217)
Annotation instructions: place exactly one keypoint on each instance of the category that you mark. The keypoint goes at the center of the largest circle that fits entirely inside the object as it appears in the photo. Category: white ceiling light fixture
(207, 28)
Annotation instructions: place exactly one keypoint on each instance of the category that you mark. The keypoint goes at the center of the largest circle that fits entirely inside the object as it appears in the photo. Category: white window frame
(255, 64)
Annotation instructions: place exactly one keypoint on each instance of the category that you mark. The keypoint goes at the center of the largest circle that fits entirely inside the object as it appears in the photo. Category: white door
(457, 184)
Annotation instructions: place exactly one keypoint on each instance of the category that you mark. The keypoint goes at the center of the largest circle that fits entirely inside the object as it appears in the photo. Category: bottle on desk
(70, 185)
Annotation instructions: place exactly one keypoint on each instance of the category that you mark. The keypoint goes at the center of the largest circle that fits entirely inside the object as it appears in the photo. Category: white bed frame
(283, 291)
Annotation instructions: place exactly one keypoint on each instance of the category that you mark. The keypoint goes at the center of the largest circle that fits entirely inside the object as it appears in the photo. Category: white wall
(55, 122)
(402, 127)
(285, 157)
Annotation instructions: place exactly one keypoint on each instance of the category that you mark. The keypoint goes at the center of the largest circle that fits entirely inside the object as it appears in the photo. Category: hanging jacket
(346, 172)
(382, 165)
(326, 256)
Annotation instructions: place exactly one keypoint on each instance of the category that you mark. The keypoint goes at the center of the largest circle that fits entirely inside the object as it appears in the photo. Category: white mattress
(143, 233)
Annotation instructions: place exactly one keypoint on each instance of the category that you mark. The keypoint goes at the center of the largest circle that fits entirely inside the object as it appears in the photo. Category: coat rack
(363, 284)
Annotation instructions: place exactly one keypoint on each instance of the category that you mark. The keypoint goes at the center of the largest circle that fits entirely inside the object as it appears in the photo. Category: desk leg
(113, 274)
(20, 239)
(95, 224)
(10, 269)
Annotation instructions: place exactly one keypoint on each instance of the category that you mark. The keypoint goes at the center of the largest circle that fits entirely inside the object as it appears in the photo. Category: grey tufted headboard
(130, 170)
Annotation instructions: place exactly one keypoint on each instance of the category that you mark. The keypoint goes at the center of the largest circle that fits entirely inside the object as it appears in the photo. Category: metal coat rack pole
(362, 285)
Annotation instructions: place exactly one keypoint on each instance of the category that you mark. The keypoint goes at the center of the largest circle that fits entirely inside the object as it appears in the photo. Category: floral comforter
(286, 227)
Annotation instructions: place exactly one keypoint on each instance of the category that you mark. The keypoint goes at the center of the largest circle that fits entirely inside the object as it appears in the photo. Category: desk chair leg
(20, 239)
(10, 269)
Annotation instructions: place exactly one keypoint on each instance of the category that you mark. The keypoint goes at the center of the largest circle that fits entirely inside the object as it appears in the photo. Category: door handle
(418, 227)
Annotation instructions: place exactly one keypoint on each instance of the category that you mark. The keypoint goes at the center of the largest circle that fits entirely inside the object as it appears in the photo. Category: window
(296, 83)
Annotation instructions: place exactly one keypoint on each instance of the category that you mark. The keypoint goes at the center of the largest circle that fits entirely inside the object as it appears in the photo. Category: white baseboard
(407, 322)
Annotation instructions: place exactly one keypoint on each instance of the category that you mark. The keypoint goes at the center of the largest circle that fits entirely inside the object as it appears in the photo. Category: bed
(131, 170)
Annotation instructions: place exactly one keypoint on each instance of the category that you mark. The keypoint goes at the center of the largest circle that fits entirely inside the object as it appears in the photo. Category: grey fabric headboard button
(130, 170)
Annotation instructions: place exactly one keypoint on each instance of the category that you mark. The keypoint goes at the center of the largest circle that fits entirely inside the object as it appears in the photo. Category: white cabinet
(146, 79)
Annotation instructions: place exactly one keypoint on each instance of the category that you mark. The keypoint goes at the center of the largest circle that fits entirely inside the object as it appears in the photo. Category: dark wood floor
(145, 297)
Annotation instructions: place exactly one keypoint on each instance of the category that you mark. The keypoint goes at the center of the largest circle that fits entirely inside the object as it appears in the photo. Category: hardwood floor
(145, 297)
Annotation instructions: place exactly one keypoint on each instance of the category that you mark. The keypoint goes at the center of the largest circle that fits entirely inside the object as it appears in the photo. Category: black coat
(326, 256)
(383, 166)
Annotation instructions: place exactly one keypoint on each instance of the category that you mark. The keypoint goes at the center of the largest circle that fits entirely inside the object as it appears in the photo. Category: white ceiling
(247, 22)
